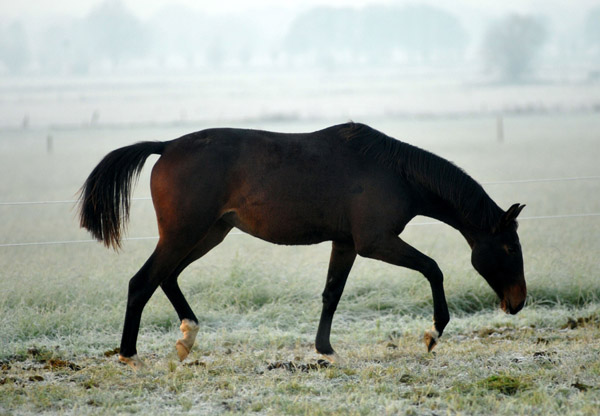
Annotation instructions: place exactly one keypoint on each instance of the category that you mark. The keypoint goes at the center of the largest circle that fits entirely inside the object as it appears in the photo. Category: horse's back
(285, 188)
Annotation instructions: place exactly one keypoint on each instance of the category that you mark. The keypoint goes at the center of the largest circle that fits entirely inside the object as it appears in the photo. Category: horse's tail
(105, 195)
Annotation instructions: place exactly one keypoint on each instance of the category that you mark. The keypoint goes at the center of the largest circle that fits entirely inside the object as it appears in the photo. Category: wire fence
(412, 224)
(505, 182)
(516, 181)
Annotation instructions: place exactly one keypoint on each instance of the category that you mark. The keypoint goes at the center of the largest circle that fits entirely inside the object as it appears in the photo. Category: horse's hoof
(431, 338)
(184, 345)
(182, 350)
(134, 362)
(332, 358)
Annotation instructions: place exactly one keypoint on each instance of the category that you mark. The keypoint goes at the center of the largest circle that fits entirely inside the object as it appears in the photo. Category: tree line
(110, 36)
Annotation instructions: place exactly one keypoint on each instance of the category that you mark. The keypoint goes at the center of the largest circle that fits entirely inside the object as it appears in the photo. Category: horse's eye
(510, 249)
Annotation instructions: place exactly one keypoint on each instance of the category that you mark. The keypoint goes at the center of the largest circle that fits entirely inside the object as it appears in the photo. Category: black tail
(105, 195)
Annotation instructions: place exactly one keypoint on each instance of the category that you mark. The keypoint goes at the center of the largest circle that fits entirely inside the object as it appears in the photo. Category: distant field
(300, 95)
(62, 305)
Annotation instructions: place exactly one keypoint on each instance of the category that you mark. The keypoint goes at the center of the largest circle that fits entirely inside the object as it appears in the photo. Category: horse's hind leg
(340, 263)
(189, 322)
(142, 285)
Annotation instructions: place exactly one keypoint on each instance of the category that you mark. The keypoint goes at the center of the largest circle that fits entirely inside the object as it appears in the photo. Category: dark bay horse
(348, 184)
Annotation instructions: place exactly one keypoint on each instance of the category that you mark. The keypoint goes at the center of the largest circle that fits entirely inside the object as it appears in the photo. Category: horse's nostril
(517, 308)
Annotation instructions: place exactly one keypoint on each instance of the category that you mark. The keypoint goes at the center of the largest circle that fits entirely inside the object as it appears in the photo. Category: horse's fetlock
(439, 328)
(324, 350)
(431, 338)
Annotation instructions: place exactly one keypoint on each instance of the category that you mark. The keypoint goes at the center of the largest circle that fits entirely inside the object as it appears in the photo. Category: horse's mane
(418, 166)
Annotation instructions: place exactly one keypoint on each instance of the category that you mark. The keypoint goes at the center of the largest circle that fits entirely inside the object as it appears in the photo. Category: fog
(115, 62)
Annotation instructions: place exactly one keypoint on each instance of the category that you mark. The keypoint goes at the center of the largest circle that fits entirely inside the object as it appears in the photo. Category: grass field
(62, 306)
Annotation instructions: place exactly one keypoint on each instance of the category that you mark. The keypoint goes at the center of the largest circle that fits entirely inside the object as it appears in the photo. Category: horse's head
(498, 258)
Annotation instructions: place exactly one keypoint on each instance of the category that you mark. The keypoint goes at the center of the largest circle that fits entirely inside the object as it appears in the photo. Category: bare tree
(511, 46)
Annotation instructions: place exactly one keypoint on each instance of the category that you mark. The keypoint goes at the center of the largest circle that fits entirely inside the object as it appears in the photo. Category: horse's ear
(509, 216)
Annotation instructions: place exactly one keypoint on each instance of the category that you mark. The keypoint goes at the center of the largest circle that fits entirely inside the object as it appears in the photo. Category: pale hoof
(182, 350)
(184, 345)
(332, 358)
(134, 362)
(431, 338)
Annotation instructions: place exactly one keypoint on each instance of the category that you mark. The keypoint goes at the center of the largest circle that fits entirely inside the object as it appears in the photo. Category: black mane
(426, 169)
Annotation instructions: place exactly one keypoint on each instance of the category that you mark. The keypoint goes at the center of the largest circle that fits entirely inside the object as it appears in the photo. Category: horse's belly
(286, 225)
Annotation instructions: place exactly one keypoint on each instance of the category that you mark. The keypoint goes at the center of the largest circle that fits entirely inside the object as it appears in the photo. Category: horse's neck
(448, 213)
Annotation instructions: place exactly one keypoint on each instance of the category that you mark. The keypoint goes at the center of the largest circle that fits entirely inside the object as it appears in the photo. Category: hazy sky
(144, 8)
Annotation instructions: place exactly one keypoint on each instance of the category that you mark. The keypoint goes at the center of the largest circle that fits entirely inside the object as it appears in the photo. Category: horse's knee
(330, 297)
(433, 273)
(441, 323)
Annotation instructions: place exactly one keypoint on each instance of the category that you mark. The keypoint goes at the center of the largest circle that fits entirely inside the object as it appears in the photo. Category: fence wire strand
(516, 181)
(505, 182)
(415, 224)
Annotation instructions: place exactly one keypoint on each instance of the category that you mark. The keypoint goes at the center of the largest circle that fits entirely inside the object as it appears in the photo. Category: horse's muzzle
(514, 299)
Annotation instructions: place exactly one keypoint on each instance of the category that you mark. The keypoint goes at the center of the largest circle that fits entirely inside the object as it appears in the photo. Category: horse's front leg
(340, 263)
(441, 316)
(395, 251)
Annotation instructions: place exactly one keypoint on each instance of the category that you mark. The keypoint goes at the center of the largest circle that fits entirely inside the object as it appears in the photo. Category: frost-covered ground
(61, 306)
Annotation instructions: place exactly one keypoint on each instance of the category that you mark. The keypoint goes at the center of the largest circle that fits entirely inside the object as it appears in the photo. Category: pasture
(62, 305)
